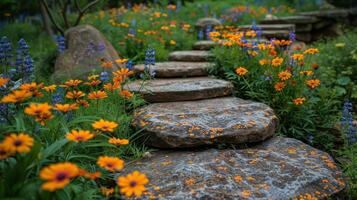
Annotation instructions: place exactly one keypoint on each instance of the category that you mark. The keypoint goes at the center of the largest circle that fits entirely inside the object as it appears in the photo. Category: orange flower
(307, 73)
(110, 163)
(241, 71)
(111, 87)
(4, 152)
(120, 61)
(117, 141)
(75, 94)
(66, 107)
(79, 136)
(313, 83)
(97, 95)
(83, 103)
(126, 94)
(3, 81)
(123, 73)
(20, 143)
(32, 87)
(279, 86)
(299, 101)
(311, 51)
(105, 126)
(16, 96)
(298, 57)
(284, 75)
(50, 88)
(93, 83)
(57, 176)
(277, 61)
(133, 184)
(93, 77)
(263, 61)
(107, 64)
(72, 83)
(107, 191)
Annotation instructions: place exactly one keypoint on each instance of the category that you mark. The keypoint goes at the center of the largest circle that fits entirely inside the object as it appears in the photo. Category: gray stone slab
(205, 122)
(288, 27)
(191, 56)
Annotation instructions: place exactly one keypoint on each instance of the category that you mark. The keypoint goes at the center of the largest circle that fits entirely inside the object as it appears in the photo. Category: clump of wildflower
(313, 83)
(299, 101)
(284, 75)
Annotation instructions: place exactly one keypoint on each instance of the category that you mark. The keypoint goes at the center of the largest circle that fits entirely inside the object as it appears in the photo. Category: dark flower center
(79, 138)
(18, 143)
(2, 152)
(61, 176)
(133, 183)
(110, 165)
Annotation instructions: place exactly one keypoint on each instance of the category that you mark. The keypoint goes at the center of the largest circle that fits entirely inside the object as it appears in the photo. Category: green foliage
(347, 158)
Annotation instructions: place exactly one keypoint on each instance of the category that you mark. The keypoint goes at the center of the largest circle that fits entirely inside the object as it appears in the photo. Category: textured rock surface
(278, 169)
(275, 34)
(204, 45)
(206, 122)
(180, 89)
(177, 69)
(191, 56)
(289, 27)
(291, 20)
(203, 23)
(85, 47)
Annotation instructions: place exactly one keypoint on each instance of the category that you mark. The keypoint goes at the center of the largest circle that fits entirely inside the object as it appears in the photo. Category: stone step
(180, 89)
(280, 168)
(205, 45)
(337, 13)
(176, 69)
(299, 19)
(191, 56)
(205, 122)
(279, 34)
(287, 27)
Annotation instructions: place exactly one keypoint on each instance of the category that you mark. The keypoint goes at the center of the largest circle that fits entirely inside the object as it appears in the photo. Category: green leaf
(53, 148)
(340, 91)
(343, 80)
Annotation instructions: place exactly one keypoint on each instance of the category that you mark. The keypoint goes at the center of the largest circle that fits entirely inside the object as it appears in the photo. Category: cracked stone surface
(278, 169)
(177, 69)
(180, 89)
(191, 56)
(205, 122)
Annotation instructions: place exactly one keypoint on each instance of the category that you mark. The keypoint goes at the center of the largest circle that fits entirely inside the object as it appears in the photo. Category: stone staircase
(192, 114)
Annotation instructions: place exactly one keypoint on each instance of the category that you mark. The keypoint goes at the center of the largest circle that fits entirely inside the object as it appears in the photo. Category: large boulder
(279, 169)
(86, 46)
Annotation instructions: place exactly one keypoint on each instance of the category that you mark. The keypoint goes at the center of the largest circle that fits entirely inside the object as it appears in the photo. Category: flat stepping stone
(299, 19)
(177, 69)
(191, 56)
(275, 34)
(205, 122)
(280, 168)
(205, 45)
(288, 27)
(180, 89)
(337, 13)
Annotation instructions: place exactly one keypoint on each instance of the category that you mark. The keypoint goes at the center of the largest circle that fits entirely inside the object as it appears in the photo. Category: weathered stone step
(275, 34)
(180, 89)
(205, 122)
(280, 168)
(209, 44)
(177, 69)
(299, 19)
(191, 56)
(287, 27)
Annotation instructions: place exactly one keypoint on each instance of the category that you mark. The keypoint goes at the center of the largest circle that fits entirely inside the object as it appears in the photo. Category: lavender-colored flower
(292, 36)
(150, 60)
(132, 31)
(22, 47)
(58, 96)
(347, 122)
(5, 51)
(104, 76)
(129, 65)
(208, 30)
(61, 43)
(100, 47)
(200, 35)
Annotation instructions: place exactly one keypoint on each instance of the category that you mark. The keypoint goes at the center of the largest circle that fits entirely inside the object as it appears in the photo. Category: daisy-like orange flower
(89, 175)
(107, 64)
(298, 57)
(97, 95)
(117, 141)
(307, 73)
(105, 126)
(37, 109)
(20, 143)
(279, 86)
(110, 163)
(72, 83)
(93, 77)
(123, 73)
(241, 71)
(107, 191)
(311, 51)
(277, 61)
(50, 88)
(57, 176)
(313, 83)
(126, 94)
(3, 81)
(120, 61)
(79, 136)
(32, 87)
(83, 103)
(75, 94)
(299, 101)
(263, 62)
(93, 83)
(284, 75)
(4, 152)
(16, 96)
(66, 107)
(133, 184)
(111, 87)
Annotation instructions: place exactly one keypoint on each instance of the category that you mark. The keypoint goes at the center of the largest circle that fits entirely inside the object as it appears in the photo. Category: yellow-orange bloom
(110, 163)
(263, 62)
(299, 101)
(107, 64)
(79, 136)
(75, 94)
(4, 152)
(123, 73)
(105, 126)
(107, 191)
(298, 57)
(126, 94)
(284, 75)
(16, 96)
(72, 83)
(20, 143)
(241, 71)
(311, 51)
(133, 184)
(307, 73)
(50, 88)
(37, 109)
(93, 83)
(279, 86)
(97, 95)
(83, 103)
(120, 61)
(3, 81)
(57, 176)
(313, 83)
(111, 87)
(117, 141)
(277, 61)
(66, 107)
